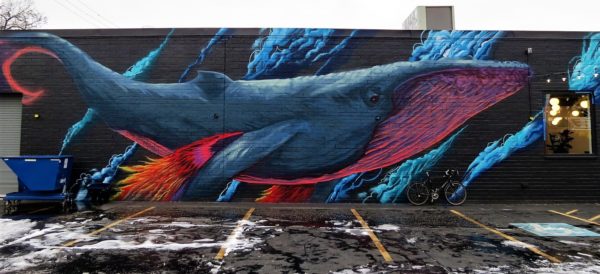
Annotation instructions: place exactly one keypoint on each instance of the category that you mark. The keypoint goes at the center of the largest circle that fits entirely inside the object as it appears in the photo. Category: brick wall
(525, 176)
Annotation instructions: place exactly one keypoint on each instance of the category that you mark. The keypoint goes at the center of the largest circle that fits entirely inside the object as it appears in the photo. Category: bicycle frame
(447, 178)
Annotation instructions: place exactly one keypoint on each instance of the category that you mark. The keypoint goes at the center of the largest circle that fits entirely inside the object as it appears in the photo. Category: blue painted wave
(501, 149)
(344, 188)
(107, 174)
(398, 179)
(77, 128)
(284, 51)
(139, 70)
(221, 34)
(585, 72)
(581, 77)
(456, 44)
(227, 194)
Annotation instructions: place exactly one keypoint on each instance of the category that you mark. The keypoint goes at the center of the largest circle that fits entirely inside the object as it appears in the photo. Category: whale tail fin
(287, 194)
(164, 179)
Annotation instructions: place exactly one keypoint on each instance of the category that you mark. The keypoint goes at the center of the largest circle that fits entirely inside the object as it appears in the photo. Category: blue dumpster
(41, 178)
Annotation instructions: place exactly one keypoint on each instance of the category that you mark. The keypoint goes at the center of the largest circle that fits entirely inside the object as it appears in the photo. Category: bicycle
(420, 192)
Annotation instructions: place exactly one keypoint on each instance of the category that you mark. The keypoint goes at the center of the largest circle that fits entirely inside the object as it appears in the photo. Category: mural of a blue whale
(296, 131)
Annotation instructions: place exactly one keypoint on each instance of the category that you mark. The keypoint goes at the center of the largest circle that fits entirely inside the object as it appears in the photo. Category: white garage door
(10, 139)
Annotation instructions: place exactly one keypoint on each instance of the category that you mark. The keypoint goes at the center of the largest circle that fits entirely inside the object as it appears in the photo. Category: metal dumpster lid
(37, 156)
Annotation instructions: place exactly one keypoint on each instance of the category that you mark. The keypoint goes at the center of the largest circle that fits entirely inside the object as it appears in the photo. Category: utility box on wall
(435, 18)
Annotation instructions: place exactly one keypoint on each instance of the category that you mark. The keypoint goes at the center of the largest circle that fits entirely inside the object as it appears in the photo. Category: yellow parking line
(594, 218)
(71, 243)
(39, 210)
(575, 217)
(221, 253)
(508, 237)
(572, 211)
(384, 253)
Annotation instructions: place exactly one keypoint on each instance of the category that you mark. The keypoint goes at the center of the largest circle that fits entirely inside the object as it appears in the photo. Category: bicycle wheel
(455, 193)
(417, 194)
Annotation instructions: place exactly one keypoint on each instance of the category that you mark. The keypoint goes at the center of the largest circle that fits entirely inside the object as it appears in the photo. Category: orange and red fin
(161, 179)
(287, 194)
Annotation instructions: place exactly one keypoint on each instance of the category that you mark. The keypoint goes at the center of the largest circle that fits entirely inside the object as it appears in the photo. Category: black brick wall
(525, 176)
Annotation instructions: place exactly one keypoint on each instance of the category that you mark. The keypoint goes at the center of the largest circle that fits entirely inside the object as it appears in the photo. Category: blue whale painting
(289, 132)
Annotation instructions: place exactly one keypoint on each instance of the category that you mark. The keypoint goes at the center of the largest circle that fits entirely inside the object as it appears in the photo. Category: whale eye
(374, 98)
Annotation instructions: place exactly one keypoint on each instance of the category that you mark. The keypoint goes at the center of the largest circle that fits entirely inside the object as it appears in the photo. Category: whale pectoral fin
(161, 179)
(239, 156)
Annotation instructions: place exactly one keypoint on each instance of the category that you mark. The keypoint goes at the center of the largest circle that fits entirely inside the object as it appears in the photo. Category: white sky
(563, 15)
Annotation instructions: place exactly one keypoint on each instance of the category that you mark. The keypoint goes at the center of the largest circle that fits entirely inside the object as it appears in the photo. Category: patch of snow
(336, 223)
(586, 255)
(356, 231)
(545, 267)
(143, 220)
(237, 241)
(204, 240)
(501, 269)
(411, 240)
(574, 243)
(567, 268)
(340, 223)
(360, 270)
(14, 228)
(387, 227)
(148, 244)
(215, 267)
(517, 244)
(35, 233)
(12, 264)
(183, 225)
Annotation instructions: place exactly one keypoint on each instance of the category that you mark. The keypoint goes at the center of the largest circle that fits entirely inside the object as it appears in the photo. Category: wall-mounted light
(585, 104)
(575, 113)
(556, 120)
(556, 107)
(564, 79)
(554, 101)
(553, 112)
(548, 80)
(36, 116)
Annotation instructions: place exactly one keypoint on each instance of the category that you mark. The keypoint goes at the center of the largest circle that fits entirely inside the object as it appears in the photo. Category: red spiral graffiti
(30, 95)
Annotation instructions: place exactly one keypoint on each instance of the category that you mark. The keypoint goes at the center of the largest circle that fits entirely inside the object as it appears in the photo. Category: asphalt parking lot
(139, 237)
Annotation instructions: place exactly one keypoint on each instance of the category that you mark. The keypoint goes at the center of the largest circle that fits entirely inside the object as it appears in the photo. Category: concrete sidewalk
(144, 237)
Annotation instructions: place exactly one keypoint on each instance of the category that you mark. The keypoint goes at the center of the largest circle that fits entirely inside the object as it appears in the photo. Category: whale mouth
(427, 108)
